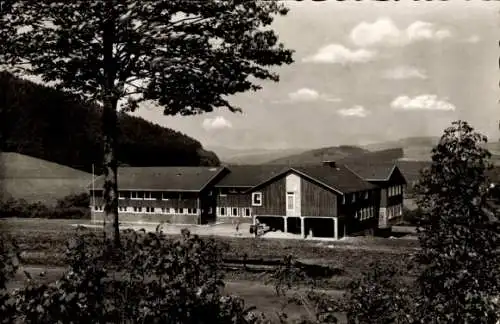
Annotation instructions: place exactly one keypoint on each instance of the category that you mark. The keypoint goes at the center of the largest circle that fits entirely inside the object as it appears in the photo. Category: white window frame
(121, 195)
(247, 210)
(232, 212)
(137, 209)
(148, 195)
(163, 197)
(222, 212)
(180, 210)
(134, 195)
(256, 195)
(150, 210)
(288, 196)
(122, 209)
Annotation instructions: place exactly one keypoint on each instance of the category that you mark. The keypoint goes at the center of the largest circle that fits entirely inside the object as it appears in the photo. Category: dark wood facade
(273, 198)
(317, 201)
(354, 211)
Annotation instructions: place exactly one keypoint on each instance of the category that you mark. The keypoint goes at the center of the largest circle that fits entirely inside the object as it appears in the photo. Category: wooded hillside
(41, 122)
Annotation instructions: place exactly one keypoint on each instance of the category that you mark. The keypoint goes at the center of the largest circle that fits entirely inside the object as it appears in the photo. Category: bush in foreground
(151, 280)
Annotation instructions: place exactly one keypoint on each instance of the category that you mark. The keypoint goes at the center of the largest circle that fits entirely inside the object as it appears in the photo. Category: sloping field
(32, 179)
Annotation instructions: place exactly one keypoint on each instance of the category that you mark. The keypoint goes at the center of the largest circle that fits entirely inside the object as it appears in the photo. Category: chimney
(331, 164)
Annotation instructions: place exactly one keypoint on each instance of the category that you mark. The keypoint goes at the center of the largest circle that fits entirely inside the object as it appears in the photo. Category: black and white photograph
(249, 161)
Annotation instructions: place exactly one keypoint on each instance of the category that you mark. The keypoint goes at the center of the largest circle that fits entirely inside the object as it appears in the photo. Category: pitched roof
(379, 171)
(164, 178)
(249, 175)
(338, 178)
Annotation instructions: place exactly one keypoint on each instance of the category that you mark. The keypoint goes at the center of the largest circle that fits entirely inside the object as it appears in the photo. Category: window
(257, 199)
(222, 193)
(191, 211)
(164, 210)
(234, 212)
(121, 195)
(136, 195)
(98, 208)
(148, 196)
(210, 210)
(290, 201)
(137, 209)
(181, 211)
(222, 211)
(247, 212)
(366, 195)
(353, 197)
(122, 209)
(150, 209)
(164, 196)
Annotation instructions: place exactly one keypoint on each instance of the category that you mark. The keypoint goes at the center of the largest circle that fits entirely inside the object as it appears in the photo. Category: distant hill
(251, 156)
(32, 179)
(45, 123)
(322, 154)
(419, 148)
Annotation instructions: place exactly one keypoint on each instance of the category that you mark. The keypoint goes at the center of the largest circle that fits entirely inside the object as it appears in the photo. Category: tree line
(43, 122)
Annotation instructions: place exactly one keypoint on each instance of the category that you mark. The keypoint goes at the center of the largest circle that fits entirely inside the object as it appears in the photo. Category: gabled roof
(164, 178)
(378, 171)
(249, 175)
(339, 178)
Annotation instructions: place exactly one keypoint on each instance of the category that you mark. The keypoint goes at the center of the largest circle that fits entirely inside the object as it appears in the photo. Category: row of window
(234, 212)
(394, 191)
(148, 195)
(394, 211)
(152, 210)
(365, 213)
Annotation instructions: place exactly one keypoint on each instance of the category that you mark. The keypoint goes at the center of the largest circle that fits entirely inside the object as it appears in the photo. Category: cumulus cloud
(385, 32)
(422, 102)
(356, 111)
(309, 95)
(218, 122)
(404, 72)
(339, 54)
(304, 94)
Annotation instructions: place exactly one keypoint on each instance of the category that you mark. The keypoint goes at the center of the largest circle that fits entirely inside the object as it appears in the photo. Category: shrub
(150, 280)
(70, 208)
(9, 264)
(74, 201)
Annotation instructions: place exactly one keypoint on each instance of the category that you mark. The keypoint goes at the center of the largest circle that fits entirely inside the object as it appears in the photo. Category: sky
(364, 72)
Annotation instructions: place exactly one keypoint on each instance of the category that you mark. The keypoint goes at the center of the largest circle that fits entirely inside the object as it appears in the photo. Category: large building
(328, 200)
(181, 195)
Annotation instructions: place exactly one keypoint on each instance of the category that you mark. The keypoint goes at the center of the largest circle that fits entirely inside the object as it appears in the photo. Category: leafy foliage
(9, 264)
(151, 280)
(186, 55)
(458, 236)
(68, 208)
(42, 122)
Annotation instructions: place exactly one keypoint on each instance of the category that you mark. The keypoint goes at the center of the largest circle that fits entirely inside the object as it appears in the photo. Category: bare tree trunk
(109, 127)
(110, 192)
